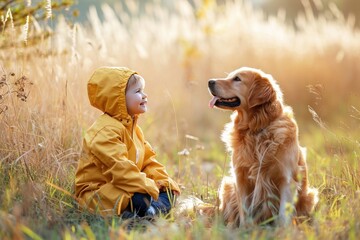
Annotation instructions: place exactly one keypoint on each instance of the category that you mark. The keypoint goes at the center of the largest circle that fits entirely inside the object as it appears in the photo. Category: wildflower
(184, 152)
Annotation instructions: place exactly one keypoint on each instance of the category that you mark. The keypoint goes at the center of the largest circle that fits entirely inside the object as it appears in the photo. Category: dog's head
(245, 88)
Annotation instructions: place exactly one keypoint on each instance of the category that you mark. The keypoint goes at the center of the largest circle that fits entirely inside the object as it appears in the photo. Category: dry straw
(11, 20)
(73, 44)
(7, 16)
(25, 30)
(48, 9)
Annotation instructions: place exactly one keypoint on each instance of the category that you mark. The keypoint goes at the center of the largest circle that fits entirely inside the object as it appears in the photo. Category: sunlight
(48, 52)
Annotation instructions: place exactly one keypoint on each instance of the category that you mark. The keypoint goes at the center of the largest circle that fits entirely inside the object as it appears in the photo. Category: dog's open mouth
(224, 102)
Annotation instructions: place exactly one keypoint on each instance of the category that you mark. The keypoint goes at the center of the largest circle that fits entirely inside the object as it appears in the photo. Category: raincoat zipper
(134, 121)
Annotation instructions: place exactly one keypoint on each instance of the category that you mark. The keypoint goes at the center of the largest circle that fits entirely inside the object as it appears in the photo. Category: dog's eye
(237, 79)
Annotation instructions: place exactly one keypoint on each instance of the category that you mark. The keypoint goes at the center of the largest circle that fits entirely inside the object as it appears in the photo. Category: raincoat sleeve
(112, 158)
(156, 170)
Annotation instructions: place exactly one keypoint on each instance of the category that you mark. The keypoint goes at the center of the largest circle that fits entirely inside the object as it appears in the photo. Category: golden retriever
(269, 181)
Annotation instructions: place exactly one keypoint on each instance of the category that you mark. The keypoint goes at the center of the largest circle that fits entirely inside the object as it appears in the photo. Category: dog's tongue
(213, 101)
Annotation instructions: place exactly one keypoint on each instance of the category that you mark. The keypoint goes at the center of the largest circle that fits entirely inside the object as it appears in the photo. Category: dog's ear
(261, 91)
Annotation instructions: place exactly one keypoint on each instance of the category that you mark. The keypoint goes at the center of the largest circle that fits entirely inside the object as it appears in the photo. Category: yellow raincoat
(116, 161)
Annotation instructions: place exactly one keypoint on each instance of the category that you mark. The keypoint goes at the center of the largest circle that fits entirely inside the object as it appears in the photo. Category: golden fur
(269, 172)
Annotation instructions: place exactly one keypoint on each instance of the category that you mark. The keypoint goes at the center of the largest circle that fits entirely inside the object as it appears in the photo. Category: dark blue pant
(140, 203)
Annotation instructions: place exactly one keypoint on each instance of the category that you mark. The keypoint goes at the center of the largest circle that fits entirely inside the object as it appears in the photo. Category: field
(44, 111)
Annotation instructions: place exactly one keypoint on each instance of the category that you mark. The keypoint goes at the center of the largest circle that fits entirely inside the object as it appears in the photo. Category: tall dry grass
(177, 50)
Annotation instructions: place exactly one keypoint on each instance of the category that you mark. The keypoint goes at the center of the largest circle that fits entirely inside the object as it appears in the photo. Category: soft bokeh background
(311, 47)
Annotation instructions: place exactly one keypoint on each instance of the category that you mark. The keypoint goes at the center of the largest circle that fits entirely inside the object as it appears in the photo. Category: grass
(177, 51)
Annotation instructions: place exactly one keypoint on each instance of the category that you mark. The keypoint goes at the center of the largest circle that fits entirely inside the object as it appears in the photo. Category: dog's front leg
(286, 204)
(241, 193)
(241, 204)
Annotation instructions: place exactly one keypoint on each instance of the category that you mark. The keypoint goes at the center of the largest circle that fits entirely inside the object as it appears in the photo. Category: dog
(269, 175)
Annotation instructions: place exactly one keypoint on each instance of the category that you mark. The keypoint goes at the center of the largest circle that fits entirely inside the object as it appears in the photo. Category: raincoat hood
(106, 91)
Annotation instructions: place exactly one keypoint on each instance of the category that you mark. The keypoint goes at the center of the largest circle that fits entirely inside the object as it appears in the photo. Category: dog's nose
(211, 83)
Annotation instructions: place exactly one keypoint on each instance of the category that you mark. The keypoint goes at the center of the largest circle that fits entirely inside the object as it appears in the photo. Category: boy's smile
(136, 98)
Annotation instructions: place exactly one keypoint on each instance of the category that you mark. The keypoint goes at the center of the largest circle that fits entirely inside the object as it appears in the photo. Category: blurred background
(49, 49)
(270, 7)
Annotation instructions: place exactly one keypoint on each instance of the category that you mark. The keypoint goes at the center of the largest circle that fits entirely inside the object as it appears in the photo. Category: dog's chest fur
(256, 152)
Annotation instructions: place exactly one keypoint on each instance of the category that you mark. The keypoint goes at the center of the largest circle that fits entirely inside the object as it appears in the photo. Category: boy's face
(136, 99)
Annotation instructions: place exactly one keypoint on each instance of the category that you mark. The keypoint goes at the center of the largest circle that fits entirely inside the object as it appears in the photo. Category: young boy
(117, 171)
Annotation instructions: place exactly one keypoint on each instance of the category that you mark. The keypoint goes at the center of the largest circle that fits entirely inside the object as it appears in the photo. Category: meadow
(44, 111)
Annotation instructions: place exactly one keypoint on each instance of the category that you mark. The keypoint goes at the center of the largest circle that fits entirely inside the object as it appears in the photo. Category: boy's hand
(158, 184)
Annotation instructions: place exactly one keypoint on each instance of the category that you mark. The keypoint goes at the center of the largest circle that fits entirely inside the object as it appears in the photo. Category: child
(117, 171)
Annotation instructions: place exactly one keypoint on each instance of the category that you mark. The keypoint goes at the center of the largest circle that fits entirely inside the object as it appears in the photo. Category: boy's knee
(167, 197)
(164, 203)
